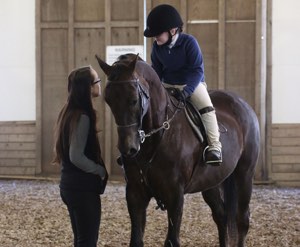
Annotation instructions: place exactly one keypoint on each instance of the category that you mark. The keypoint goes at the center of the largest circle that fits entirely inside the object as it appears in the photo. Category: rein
(144, 103)
(145, 168)
(165, 126)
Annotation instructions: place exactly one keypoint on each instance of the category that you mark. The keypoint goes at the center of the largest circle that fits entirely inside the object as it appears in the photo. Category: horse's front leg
(137, 203)
(175, 210)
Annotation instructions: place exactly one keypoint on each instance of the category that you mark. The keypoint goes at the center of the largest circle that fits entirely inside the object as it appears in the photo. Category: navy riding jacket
(181, 64)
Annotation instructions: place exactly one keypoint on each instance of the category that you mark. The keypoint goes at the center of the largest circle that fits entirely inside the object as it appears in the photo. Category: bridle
(144, 101)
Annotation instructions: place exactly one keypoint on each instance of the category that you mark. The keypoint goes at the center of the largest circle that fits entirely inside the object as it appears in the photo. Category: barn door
(230, 36)
(69, 34)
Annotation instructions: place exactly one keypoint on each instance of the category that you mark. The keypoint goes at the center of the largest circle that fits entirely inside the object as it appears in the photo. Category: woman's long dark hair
(79, 102)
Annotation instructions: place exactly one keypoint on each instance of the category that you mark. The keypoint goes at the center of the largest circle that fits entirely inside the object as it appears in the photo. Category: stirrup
(215, 161)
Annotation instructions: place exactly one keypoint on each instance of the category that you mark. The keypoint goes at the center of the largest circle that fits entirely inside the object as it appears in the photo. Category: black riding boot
(213, 156)
(213, 152)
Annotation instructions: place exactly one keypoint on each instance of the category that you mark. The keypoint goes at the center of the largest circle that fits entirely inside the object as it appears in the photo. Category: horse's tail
(230, 205)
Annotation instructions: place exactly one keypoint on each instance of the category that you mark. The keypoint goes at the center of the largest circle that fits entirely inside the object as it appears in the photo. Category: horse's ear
(133, 63)
(103, 65)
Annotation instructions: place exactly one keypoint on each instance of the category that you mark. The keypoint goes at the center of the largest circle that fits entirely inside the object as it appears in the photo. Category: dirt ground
(33, 215)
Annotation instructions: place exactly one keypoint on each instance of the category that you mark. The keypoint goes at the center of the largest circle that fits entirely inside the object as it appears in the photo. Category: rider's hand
(184, 95)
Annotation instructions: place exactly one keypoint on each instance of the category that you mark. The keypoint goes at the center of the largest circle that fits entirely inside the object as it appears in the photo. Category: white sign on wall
(114, 51)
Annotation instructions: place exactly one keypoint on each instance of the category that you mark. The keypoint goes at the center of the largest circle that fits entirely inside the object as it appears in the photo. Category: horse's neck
(159, 103)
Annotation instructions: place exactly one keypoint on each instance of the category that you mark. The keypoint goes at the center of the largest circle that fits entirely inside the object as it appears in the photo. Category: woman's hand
(102, 172)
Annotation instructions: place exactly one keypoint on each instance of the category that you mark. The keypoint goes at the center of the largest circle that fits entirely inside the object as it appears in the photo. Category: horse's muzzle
(129, 152)
(129, 143)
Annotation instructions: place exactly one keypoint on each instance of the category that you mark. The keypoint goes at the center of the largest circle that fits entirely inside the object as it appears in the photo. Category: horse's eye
(133, 102)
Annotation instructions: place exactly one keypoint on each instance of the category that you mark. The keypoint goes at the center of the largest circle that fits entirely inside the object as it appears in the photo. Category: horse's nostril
(132, 151)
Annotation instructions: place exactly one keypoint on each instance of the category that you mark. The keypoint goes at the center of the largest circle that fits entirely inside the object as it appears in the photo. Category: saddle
(192, 114)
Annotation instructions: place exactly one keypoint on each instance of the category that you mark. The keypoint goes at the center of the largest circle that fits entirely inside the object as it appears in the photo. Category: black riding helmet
(161, 19)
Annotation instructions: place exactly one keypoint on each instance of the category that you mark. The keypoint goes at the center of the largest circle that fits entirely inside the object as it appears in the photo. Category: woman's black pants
(85, 214)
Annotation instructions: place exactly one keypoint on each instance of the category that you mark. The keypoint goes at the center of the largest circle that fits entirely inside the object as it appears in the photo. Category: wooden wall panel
(240, 60)
(207, 36)
(17, 148)
(88, 42)
(285, 152)
(203, 9)
(174, 3)
(92, 10)
(125, 10)
(285, 141)
(54, 88)
(227, 42)
(124, 35)
(54, 10)
(240, 9)
(17, 163)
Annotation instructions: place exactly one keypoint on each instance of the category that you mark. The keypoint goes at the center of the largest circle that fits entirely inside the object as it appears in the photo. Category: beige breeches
(201, 99)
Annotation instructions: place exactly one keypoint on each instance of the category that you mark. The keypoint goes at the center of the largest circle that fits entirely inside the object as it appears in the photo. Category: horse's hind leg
(137, 203)
(214, 200)
(244, 191)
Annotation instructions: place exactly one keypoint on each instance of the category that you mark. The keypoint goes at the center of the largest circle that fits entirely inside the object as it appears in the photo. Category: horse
(162, 157)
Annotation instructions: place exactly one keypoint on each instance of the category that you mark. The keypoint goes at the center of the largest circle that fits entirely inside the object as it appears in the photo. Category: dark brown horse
(162, 156)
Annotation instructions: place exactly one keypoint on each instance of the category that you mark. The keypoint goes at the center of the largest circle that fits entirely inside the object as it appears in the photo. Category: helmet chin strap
(170, 37)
